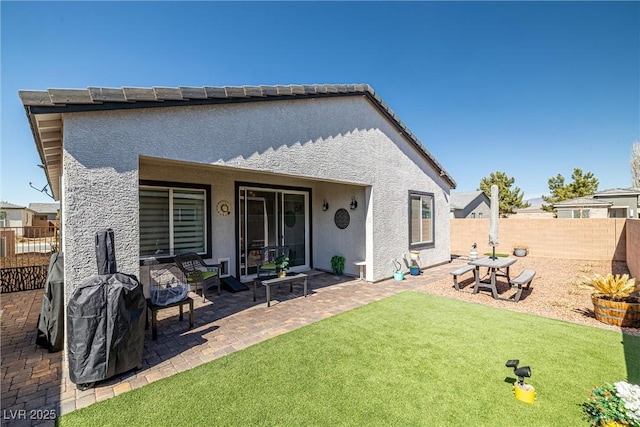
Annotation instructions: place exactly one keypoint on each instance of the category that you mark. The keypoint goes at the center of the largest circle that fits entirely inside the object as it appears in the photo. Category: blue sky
(528, 88)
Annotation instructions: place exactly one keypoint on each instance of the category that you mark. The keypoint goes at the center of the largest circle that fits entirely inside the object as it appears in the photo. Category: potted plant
(614, 405)
(398, 274)
(520, 250)
(616, 299)
(282, 264)
(337, 265)
(414, 270)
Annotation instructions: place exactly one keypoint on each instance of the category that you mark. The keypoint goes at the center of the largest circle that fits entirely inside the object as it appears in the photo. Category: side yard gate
(24, 256)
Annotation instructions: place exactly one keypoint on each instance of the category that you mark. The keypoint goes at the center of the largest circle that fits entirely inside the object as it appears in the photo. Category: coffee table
(274, 280)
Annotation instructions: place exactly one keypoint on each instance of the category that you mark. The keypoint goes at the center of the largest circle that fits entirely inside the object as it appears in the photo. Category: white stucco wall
(327, 239)
(318, 143)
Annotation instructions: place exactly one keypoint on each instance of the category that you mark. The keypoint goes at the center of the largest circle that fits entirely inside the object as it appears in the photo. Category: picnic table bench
(524, 279)
(460, 271)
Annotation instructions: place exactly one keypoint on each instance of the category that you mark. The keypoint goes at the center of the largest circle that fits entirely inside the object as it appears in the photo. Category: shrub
(337, 264)
(615, 287)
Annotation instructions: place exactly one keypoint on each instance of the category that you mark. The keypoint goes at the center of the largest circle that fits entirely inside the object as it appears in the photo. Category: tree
(635, 164)
(510, 199)
(582, 185)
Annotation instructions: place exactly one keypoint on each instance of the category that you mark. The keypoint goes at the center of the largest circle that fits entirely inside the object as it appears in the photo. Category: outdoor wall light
(325, 205)
(354, 204)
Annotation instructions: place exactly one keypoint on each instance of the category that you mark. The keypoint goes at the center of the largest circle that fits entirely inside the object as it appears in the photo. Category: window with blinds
(421, 223)
(172, 221)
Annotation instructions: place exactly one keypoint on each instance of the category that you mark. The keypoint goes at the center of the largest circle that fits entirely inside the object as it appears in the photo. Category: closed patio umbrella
(493, 220)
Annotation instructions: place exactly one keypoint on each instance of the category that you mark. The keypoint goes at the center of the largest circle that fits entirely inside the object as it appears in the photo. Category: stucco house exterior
(625, 202)
(324, 169)
(582, 207)
(12, 215)
(470, 204)
(45, 215)
(611, 203)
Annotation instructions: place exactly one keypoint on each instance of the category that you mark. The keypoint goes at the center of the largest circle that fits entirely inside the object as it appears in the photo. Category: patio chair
(266, 264)
(198, 273)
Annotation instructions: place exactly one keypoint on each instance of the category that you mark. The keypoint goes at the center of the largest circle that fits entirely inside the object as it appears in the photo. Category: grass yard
(411, 359)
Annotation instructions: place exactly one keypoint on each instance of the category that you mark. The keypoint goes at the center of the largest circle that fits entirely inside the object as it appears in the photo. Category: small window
(479, 214)
(473, 214)
(421, 221)
(580, 213)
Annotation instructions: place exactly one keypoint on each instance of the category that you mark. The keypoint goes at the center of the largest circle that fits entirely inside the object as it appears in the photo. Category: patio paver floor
(35, 380)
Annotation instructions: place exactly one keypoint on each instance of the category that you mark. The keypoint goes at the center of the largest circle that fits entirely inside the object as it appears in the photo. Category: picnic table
(496, 267)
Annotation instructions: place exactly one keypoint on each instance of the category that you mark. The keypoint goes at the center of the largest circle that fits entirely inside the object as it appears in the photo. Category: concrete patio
(35, 380)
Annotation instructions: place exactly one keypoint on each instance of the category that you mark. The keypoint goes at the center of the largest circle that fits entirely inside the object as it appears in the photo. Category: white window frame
(580, 213)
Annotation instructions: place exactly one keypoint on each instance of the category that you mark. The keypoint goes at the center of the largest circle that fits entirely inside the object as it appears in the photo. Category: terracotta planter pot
(618, 313)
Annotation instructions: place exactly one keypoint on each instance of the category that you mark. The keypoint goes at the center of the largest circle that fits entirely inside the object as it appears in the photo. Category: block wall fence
(633, 247)
(616, 239)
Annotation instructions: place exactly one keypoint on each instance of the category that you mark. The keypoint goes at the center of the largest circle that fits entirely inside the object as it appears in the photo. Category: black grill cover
(51, 320)
(105, 251)
(105, 327)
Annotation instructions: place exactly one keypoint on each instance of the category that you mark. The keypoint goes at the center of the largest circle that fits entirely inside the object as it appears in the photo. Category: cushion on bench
(205, 275)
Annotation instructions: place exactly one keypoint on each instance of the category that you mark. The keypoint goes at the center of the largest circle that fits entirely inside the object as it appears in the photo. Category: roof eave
(97, 99)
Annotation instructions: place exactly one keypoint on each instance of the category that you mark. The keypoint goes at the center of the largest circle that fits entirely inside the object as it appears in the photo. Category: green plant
(617, 287)
(614, 404)
(292, 379)
(337, 264)
(281, 262)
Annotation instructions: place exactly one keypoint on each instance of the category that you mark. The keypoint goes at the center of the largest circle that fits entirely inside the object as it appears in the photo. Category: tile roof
(7, 205)
(631, 191)
(44, 208)
(44, 110)
(582, 201)
(461, 199)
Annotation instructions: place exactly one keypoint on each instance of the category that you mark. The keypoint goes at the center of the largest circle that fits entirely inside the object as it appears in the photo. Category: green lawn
(411, 359)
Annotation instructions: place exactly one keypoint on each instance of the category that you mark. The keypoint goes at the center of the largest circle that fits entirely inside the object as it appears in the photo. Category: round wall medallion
(224, 208)
(342, 218)
(289, 219)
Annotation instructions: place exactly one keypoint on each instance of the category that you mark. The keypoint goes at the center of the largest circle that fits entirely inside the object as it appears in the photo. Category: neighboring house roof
(462, 199)
(631, 191)
(44, 208)
(7, 205)
(582, 202)
(530, 209)
(45, 108)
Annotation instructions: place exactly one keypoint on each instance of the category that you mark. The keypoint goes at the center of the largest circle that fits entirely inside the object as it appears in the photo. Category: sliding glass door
(273, 217)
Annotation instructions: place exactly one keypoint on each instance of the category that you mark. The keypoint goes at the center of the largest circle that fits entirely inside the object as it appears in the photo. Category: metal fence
(24, 256)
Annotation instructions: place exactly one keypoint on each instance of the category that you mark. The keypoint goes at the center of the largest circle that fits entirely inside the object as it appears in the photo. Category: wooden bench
(525, 278)
(460, 271)
(154, 314)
